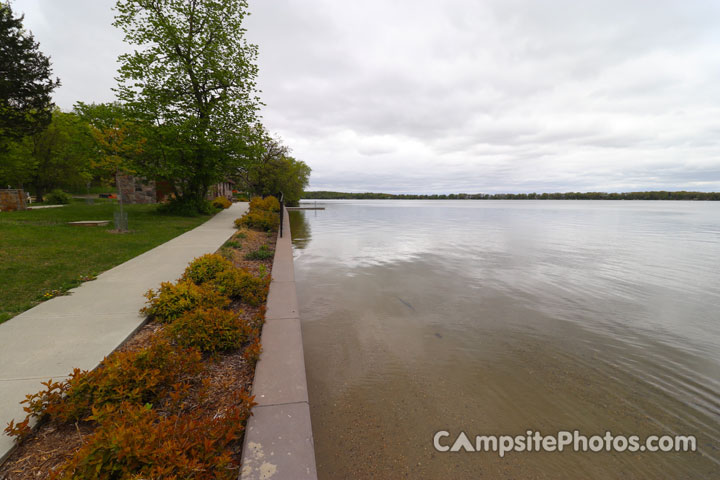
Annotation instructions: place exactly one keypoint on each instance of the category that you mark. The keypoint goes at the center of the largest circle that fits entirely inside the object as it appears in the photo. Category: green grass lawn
(40, 253)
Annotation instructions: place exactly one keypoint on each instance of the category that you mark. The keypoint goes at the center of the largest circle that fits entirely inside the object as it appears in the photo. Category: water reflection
(300, 229)
(497, 317)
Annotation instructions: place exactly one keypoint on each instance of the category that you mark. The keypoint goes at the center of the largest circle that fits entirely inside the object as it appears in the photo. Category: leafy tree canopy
(193, 77)
(272, 170)
(58, 156)
(119, 139)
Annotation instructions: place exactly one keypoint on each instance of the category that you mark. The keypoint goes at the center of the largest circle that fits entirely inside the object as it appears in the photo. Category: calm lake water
(498, 317)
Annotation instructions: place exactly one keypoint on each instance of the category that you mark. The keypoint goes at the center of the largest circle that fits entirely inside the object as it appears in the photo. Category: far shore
(649, 195)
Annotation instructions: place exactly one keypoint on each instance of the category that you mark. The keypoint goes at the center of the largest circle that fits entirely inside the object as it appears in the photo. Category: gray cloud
(426, 96)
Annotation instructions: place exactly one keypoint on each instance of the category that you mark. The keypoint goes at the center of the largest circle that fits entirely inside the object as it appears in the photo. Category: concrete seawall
(278, 439)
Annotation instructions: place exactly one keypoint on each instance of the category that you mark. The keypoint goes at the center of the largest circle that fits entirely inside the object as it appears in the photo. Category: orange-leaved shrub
(134, 441)
(206, 268)
(252, 352)
(242, 285)
(136, 377)
(221, 202)
(209, 330)
(174, 299)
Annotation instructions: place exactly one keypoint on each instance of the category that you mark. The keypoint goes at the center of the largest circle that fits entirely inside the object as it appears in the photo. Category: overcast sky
(460, 95)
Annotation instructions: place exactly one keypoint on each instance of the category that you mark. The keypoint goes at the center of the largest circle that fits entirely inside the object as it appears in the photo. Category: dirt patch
(250, 241)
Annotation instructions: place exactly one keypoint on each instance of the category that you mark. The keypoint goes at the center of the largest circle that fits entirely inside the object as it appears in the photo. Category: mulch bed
(51, 444)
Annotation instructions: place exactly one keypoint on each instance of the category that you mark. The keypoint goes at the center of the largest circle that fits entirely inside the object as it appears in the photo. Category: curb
(278, 441)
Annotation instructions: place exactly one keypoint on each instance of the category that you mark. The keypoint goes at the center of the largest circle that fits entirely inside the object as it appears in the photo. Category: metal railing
(281, 198)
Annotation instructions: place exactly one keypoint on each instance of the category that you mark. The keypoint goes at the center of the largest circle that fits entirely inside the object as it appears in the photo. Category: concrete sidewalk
(79, 330)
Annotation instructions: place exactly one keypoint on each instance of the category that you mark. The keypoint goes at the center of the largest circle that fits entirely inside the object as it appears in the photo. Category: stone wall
(136, 190)
(11, 200)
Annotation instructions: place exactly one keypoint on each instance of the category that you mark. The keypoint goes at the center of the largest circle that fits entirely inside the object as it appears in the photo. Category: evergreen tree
(25, 81)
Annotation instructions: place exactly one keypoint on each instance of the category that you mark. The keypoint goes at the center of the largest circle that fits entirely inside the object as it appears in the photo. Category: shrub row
(132, 439)
(262, 214)
(142, 443)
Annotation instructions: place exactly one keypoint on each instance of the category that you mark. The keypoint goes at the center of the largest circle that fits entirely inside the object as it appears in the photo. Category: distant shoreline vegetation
(654, 195)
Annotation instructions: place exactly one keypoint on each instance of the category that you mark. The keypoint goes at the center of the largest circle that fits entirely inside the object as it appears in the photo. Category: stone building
(140, 190)
(134, 189)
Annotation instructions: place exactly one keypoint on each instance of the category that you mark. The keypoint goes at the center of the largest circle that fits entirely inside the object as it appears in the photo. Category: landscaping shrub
(259, 219)
(270, 204)
(263, 253)
(138, 442)
(209, 330)
(206, 268)
(136, 377)
(186, 207)
(262, 214)
(57, 197)
(252, 352)
(242, 285)
(232, 244)
(221, 202)
(174, 299)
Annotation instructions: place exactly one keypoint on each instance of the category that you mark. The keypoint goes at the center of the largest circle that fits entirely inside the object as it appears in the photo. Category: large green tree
(271, 169)
(25, 81)
(192, 78)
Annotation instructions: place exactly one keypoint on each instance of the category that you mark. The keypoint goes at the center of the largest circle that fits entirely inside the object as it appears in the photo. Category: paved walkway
(79, 330)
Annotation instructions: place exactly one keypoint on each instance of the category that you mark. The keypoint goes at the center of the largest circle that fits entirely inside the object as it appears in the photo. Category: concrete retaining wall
(278, 439)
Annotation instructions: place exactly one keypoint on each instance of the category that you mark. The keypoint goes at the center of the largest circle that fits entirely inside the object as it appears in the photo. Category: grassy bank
(42, 256)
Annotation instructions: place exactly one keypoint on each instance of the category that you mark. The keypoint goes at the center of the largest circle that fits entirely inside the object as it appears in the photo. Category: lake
(499, 317)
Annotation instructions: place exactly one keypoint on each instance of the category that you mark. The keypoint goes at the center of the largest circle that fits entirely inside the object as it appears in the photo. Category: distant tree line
(653, 195)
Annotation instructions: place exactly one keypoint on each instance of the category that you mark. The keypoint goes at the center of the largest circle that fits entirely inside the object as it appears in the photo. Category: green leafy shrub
(138, 442)
(232, 244)
(242, 285)
(57, 197)
(174, 299)
(206, 268)
(221, 202)
(209, 330)
(263, 253)
(186, 207)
